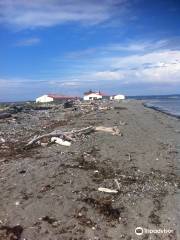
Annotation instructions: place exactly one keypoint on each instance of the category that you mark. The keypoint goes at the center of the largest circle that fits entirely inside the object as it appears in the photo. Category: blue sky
(70, 46)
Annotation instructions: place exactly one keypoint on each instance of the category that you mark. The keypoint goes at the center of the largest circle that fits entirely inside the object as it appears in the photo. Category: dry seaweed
(11, 233)
(104, 206)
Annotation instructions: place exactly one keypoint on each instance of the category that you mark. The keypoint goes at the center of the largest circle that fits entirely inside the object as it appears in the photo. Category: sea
(168, 104)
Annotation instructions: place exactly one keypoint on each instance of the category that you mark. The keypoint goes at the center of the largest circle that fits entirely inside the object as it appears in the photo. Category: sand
(52, 192)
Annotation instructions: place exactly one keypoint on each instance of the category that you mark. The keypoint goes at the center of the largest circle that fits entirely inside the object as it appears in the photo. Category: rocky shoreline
(51, 191)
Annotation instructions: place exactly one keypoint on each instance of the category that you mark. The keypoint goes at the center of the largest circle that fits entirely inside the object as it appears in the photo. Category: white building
(44, 99)
(95, 96)
(118, 97)
(54, 97)
(92, 96)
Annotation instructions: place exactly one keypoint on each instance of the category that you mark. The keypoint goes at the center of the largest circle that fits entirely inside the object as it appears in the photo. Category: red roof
(61, 97)
(98, 93)
(104, 94)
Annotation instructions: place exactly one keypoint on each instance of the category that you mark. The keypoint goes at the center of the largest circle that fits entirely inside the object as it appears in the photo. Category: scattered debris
(61, 135)
(104, 206)
(81, 170)
(107, 190)
(44, 144)
(83, 219)
(104, 108)
(68, 104)
(154, 219)
(60, 141)
(2, 140)
(120, 108)
(122, 123)
(11, 233)
(17, 203)
(129, 157)
(5, 115)
(49, 135)
(48, 219)
(117, 183)
(112, 130)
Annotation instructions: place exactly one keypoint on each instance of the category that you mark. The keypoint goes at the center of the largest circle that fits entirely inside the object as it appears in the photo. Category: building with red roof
(54, 98)
(90, 95)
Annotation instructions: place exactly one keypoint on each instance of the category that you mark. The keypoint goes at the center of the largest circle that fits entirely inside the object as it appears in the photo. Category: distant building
(44, 99)
(94, 96)
(118, 97)
(54, 98)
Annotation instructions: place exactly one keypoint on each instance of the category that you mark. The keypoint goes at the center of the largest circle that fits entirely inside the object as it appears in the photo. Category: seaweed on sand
(104, 206)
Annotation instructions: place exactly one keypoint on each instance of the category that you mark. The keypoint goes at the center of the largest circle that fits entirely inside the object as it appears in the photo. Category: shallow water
(170, 105)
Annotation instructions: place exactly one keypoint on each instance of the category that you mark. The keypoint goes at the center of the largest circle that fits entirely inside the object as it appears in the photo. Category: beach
(52, 191)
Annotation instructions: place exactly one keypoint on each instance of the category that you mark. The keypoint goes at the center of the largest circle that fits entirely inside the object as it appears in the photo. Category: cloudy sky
(70, 46)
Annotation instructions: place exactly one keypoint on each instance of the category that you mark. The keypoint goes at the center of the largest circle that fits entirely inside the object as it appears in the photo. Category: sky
(130, 47)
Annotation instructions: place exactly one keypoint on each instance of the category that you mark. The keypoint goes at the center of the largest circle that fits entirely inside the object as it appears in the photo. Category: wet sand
(52, 192)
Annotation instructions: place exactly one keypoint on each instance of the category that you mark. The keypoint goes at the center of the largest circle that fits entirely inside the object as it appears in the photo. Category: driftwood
(122, 123)
(69, 136)
(86, 130)
(2, 140)
(117, 183)
(107, 190)
(129, 157)
(49, 135)
(112, 130)
(5, 115)
(63, 135)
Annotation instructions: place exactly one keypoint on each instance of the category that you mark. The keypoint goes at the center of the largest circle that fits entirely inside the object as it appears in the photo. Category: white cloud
(128, 48)
(153, 58)
(28, 42)
(107, 75)
(68, 83)
(166, 73)
(154, 62)
(44, 13)
(155, 67)
(138, 46)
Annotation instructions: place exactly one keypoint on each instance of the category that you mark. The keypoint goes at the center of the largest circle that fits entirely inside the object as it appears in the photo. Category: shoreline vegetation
(113, 167)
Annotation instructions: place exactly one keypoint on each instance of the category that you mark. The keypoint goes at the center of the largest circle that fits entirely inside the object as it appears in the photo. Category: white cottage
(55, 98)
(44, 99)
(92, 96)
(118, 97)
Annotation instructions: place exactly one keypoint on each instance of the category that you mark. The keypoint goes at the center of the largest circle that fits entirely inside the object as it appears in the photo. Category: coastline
(161, 110)
(53, 191)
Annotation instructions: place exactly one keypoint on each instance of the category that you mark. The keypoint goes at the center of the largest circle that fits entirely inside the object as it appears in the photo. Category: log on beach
(5, 115)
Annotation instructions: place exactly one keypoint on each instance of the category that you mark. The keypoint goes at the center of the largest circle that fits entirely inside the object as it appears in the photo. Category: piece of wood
(107, 190)
(85, 130)
(112, 130)
(49, 135)
(117, 183)
(5, 115)
(129, 157)
(63, 135)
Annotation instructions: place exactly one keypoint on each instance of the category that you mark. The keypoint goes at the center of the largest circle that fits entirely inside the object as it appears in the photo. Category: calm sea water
(167, 104)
